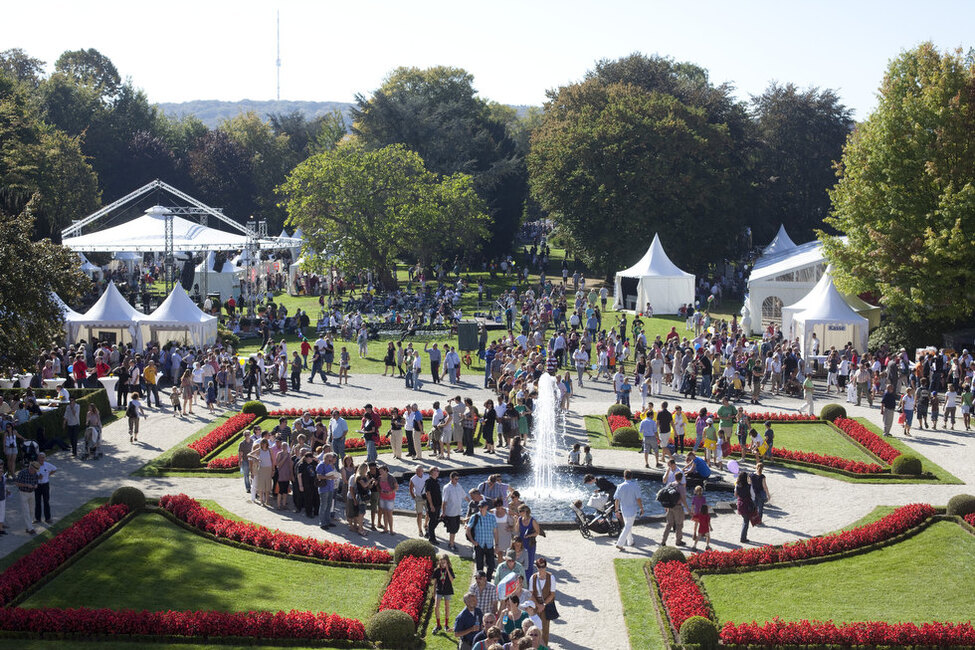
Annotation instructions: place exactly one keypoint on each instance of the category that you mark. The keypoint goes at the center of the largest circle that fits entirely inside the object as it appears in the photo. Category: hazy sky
(178, 51)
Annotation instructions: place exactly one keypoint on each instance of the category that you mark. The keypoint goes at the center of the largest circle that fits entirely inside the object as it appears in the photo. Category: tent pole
(168, 259)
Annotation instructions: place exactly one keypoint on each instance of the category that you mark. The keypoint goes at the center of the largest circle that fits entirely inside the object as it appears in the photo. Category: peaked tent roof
(178, 308)
(830, 306)
(68, 312)
(780, 243)
(111, 308)
(284, 234)
(656, 263)
(815, 294)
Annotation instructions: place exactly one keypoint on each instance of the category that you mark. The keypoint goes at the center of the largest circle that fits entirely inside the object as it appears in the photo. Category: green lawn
(597, 431)
(818, 438)
(45, 534)
(941, 475)
(641, 623)
(158, 465)
(927, 577)
(157, 565)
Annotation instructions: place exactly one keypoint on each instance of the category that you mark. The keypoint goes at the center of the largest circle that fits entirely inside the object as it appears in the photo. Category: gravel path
(802, 504)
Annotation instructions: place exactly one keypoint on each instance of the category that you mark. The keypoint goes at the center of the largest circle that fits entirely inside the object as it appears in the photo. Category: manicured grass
(597, 431)
(877, 513)
(157, 466)
(881, 585)
(158, 566)
(44, 534)
(817, 438)
(941, 475)
(641, 624)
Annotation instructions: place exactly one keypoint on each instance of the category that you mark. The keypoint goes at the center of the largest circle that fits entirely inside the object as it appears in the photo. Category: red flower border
(683, 597)
(877, 445)
(212, 441)
(407, 590)
(189, 510)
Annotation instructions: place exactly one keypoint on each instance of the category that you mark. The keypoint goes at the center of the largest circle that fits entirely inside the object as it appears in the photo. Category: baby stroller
(270, 379)
(92, 438)
(602, 522)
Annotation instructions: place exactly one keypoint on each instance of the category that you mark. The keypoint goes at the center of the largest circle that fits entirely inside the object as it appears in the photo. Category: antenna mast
(278, 62)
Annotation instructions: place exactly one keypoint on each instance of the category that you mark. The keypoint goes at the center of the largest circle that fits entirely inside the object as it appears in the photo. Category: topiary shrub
(256, 407)
(667, 554)
(961, 505)
(620, 409)
(391, 628)
(906, 464)
(414, 548)
(186, 458)
(626, 437)
(699, 632)
(832, 411)
(130, 496)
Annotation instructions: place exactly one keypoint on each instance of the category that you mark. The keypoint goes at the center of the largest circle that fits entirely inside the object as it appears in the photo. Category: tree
(90, 68)
(32, 319)
(800, 137)
(370, 207)
(221, 170)
(436, 112)
(906, 193)
(616, 162)
(16, 64)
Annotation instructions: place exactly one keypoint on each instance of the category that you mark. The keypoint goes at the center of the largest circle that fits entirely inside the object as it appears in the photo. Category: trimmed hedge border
(672, 637)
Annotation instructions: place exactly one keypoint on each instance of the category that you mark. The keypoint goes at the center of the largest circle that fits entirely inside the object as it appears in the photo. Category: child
(211, 395)
(587, 457)
(756, 444)
(345, 362)
(644, 387)
(697, 501)
(702, 522)
(966, 406)
(625, 391)
(935, 405)
(719, 449)
(444, 577)
(769, 438)
(922, 403)
(951, 404)
(174, 398)
(574, 454)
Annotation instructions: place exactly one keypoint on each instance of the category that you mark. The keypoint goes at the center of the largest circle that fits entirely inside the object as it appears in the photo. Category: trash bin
(467, 336)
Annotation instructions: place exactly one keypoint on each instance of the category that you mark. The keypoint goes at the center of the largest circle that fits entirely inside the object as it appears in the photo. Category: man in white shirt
(629, 505)
(337, 429)
(42, 495)
(417, 483)
(453, 507)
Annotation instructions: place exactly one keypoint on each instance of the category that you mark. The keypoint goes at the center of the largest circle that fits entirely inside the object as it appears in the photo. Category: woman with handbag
(746, 507)
(542, 588)
(528, 531)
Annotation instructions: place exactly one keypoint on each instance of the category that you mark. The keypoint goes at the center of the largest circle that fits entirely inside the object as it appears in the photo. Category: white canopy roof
(128, 256)
(833, 320)
(769, 267)
(178, 313)
(780, 243)
(808, 301)
(284, 234)
(111, 312)
(655, 263)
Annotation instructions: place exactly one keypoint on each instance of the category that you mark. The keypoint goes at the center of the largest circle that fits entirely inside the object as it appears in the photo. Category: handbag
(551, 611)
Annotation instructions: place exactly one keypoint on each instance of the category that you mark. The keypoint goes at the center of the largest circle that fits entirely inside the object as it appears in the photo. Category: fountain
(548, 435)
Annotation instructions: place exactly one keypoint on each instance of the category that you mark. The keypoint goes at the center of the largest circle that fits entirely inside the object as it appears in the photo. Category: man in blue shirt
(326, 490)
(650, 441)
(468, 622)
(489, 355)
(696, 466)
(337, 428)
(629, 506)
(482, 531)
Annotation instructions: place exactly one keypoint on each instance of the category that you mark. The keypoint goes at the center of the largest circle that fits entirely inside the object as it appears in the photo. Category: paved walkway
(802, 504)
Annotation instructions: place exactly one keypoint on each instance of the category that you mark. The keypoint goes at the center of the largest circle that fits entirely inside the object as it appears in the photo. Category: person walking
(675, 509)
(808, 391)
(482, 531)
(434, 500)
(26, 483)
(42, 495)
(326, 490)
(629, 505)
(133, 411)
(888, 408)
(72, 423)
(744, 505)
(907, 408)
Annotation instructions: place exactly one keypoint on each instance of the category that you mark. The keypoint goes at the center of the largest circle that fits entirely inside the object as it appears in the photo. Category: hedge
(53, 421)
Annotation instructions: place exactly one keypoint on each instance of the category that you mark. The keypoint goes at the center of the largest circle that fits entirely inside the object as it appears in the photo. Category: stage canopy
(179, 319)
(112, 318)
(655, 280)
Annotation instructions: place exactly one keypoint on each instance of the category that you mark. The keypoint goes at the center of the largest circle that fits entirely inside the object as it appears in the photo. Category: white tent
(68, 312)
(811, 299)
(110, 316)
(225, 281)
(781, 243)
(781, 279)
(87, 267)
(655, 280)
(299, 237)
(178, 319)
(833, 321)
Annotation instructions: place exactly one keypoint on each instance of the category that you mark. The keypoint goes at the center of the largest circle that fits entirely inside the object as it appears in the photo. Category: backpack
(130, 410)
(668, 496)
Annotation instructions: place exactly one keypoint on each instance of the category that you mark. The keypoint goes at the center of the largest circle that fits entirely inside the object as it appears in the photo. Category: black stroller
(602, 522)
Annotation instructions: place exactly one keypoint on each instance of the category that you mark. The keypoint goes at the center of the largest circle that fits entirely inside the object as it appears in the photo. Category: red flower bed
(617, 421)
(681, 594)
(209, 443)
(872, 634)
(868, 439)
(264, 625)
(344, 412)
(897, 522)
(350, 443)
(51, 554)
(835, 462)
(189, 510)
(407, 590)
(970, 519)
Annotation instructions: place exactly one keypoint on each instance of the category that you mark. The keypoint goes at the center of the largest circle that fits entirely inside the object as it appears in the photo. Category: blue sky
(178, 51)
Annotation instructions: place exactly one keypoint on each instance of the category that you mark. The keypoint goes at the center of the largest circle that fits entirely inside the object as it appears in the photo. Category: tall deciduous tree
(622, 155)
(369, 207)
(906, 192)
(800, 136)
(436, 112)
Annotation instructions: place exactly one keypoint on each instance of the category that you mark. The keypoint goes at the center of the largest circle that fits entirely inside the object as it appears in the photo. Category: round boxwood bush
(961, 505)
(667, 554)
(414, 548)
(130, 496)
(626, 437)
(620, 409)
(832, 411)
(699, 632)
(906, 464)
(391, 628)
(256, 407)
(186, 458)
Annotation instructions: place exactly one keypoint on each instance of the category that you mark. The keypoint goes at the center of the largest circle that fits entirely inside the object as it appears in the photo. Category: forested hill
(212, 112)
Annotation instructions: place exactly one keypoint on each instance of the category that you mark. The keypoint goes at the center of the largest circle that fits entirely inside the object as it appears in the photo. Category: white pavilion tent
(811, 299)
(179, 319)
(111, 317)
(655, 280)
(225, 281)
(781, 243)
(780, 279)
(833, 321)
